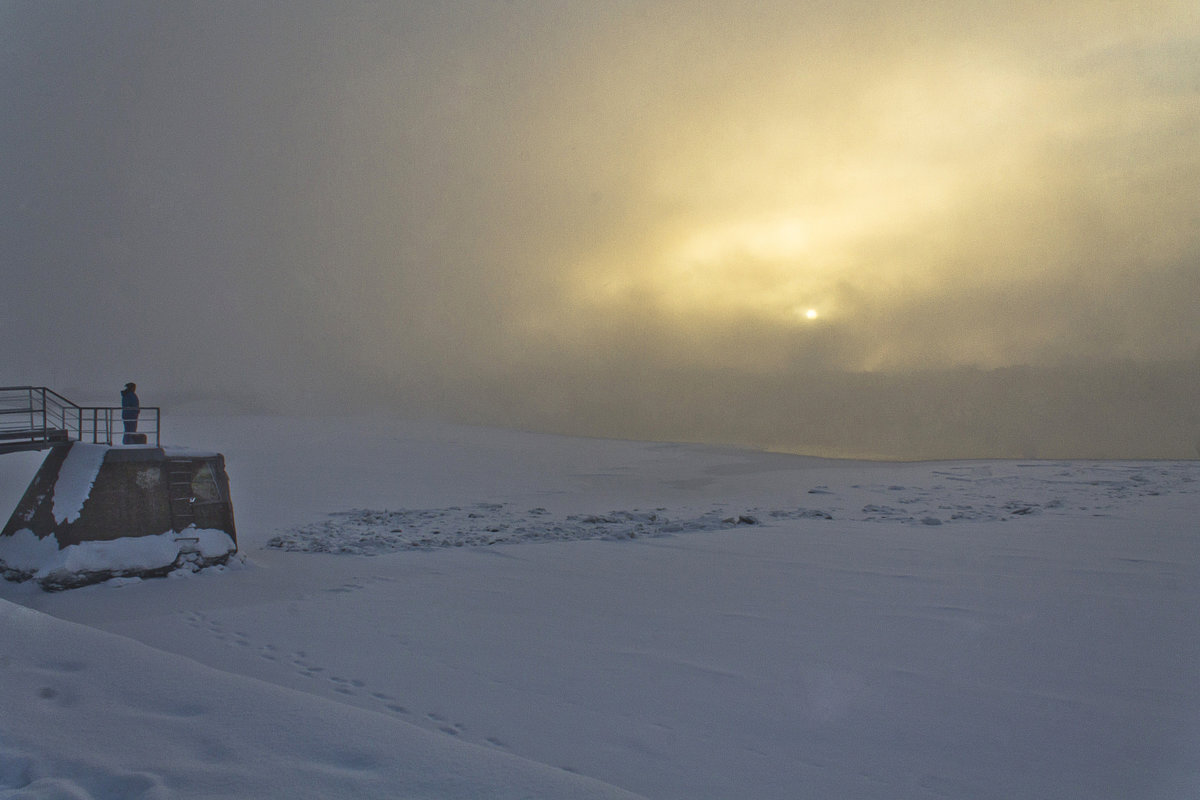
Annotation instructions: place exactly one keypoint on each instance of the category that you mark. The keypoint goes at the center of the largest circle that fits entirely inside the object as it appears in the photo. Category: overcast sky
(596, 216)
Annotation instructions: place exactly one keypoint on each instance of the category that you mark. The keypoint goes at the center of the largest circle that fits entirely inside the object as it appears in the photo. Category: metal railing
(34, 418)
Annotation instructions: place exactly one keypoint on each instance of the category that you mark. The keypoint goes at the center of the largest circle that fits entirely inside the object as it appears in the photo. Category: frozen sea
(432, 611)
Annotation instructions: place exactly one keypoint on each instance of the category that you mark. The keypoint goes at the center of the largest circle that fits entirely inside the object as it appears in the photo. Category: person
(130, 408)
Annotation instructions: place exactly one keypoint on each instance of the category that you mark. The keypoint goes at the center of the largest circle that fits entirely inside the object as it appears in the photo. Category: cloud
(539, 200)
(959, 176)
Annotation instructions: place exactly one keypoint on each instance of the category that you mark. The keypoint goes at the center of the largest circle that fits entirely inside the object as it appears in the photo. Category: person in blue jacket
(130, 408)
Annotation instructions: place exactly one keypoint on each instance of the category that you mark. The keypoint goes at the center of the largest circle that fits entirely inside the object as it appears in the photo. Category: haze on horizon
(909, 229)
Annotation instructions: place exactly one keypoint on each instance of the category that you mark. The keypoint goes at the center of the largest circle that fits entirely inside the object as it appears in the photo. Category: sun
(805, 313)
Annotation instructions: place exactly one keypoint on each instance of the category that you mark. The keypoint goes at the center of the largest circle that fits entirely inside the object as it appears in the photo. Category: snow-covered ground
(431, 611)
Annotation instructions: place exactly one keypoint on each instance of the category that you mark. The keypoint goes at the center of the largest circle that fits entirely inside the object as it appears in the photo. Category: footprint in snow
(299, 661)
(346, 588)
(445, 726)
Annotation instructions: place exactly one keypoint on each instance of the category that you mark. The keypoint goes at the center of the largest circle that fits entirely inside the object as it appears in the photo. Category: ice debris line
(953, 494)
(367, 532)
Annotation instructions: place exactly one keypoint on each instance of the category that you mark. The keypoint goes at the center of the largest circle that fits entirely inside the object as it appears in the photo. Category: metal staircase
(36, 418)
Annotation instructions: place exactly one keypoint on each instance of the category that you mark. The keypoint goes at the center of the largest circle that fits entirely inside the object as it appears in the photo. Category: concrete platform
(93, 512)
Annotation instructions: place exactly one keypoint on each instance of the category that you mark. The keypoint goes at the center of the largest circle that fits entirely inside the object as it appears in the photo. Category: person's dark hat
(130, 385)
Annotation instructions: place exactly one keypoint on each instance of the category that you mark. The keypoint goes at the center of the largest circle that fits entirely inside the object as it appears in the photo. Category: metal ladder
(179, 486)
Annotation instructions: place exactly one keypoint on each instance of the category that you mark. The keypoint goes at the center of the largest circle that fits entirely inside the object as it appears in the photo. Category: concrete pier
(94, 512)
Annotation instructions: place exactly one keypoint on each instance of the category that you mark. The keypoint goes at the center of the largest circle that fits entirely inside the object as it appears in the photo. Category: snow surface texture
(140, 723)
(1042, 641)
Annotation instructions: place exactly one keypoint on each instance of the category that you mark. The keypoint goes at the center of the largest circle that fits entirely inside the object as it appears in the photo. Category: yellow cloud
(780, 217)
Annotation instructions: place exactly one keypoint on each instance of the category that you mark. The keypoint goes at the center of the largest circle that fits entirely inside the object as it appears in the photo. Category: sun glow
(760, 240)
(808, 216)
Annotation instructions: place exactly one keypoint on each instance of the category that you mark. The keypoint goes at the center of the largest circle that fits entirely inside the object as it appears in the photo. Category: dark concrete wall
(137, 492)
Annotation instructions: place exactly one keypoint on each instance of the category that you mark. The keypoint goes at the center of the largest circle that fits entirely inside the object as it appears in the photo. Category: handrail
(35, 417)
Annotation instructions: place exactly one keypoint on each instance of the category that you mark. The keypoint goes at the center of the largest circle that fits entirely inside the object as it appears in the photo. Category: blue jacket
(129, 404)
